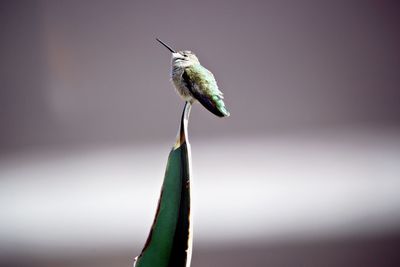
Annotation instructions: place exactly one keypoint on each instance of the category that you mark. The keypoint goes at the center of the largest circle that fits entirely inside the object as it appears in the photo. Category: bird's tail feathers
(221, 110)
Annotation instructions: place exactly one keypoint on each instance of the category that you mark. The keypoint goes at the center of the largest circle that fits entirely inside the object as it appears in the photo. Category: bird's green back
(204, 79)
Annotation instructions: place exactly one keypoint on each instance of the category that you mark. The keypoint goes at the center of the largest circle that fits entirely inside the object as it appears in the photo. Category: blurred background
(305, 172)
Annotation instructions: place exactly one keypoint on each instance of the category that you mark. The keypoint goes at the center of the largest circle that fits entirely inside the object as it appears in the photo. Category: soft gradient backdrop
(305, 172)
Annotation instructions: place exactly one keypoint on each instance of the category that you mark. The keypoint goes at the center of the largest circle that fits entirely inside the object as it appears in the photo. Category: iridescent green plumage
(201, 83)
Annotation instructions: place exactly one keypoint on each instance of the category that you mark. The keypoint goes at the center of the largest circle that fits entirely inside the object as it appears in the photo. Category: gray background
(91, 71)
(89, 76)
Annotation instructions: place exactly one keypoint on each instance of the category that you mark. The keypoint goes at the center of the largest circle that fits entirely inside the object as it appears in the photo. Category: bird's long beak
(164, 44)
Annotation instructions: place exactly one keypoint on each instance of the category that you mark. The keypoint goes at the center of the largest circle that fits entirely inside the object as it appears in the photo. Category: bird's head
(184, 59)
(181, 59)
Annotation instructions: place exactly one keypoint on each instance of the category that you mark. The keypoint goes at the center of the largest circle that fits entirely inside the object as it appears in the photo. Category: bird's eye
(185, 55)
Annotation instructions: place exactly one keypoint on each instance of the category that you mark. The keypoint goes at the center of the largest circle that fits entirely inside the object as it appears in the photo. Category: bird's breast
(180, 86)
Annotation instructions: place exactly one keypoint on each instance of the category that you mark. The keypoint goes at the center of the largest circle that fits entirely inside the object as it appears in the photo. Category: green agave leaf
(169, 243)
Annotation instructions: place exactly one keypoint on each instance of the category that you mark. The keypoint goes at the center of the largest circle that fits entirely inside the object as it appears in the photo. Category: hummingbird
(193, 82)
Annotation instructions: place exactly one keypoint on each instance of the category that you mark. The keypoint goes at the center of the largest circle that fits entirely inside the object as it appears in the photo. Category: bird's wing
(204, 88)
